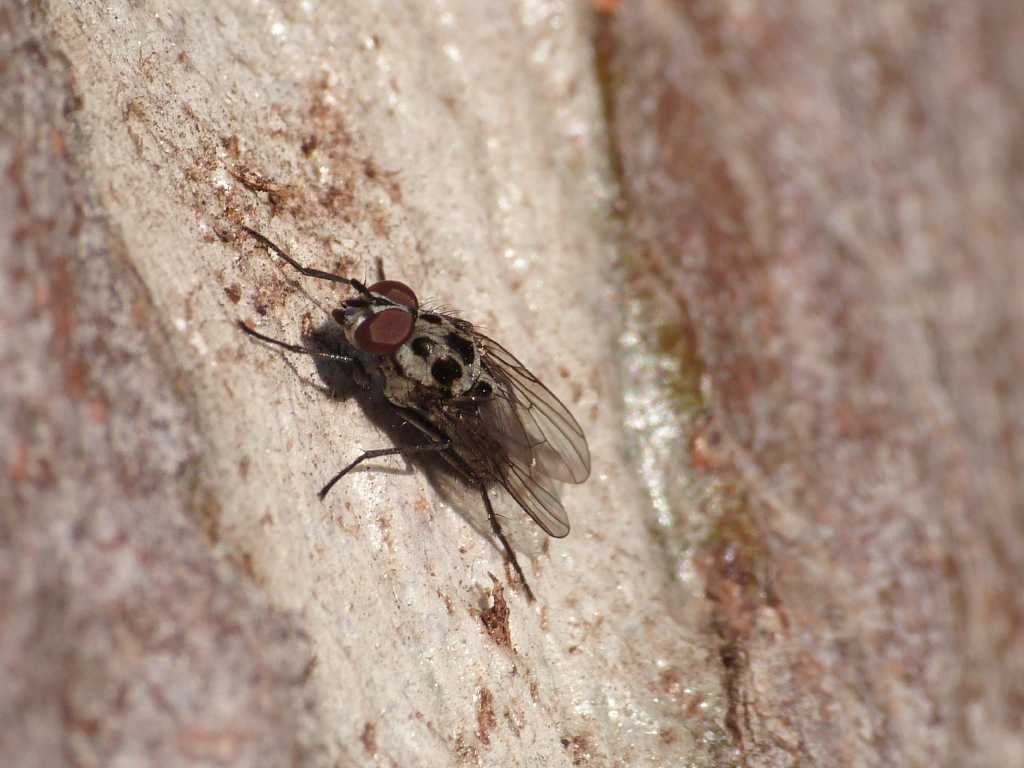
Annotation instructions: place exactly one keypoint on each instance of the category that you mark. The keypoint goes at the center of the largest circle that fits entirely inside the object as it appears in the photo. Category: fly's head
(419, 353)
(380, 319)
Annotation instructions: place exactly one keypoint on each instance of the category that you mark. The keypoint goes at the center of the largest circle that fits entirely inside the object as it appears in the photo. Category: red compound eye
(400, 293)
(385, 331)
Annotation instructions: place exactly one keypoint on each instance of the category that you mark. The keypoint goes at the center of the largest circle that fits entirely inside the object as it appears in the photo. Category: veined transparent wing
(496, 437)
(556, 440)
(529, 438)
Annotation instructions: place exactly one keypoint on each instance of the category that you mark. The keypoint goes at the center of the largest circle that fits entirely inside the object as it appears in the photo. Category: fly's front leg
(319, 274)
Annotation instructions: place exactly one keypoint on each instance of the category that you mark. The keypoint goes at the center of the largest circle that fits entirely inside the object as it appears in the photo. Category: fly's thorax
(438, 356)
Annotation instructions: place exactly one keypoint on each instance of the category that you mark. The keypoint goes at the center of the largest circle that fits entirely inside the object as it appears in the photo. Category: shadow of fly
(476, 405)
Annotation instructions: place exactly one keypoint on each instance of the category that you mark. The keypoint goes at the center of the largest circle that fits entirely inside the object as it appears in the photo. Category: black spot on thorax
(462, 346)
(445, 371)
(421, 346)
(430, 317)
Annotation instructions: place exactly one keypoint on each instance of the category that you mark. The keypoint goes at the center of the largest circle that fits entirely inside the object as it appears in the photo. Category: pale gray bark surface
(461, 145)
(797, 366)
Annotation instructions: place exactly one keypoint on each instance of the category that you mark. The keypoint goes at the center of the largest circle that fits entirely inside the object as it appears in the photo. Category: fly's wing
(534, 415)
(540, 500)
(496, 438)
(529, 439)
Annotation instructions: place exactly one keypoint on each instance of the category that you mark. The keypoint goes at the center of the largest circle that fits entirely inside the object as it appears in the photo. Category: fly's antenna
(379, 263)
(359, 287)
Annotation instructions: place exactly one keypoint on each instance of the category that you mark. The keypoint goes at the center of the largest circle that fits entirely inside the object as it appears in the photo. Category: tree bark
(831, 192)
(767, 255)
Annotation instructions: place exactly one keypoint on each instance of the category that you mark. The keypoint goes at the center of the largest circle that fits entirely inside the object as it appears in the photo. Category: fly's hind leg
(440, 443)
(510, 554)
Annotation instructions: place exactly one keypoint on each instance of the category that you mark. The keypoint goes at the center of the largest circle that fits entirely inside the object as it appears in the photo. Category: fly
(477, 406)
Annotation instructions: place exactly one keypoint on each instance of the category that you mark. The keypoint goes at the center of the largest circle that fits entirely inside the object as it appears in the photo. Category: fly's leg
(510, 554)
(307, 271)
(295, 347)
(443, 445)
(440, 443)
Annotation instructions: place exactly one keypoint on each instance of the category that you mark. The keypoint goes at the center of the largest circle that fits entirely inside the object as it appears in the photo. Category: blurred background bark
(783, 243)
(834, 193)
